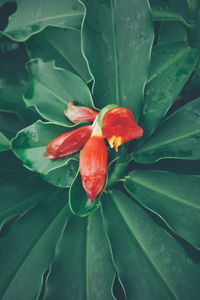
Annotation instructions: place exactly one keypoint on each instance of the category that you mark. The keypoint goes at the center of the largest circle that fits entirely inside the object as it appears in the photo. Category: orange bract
(79, 113)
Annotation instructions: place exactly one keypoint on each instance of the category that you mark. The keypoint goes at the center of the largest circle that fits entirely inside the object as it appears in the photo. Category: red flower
(79, 113)
(68, 143)
(93, 164)
(119, 127)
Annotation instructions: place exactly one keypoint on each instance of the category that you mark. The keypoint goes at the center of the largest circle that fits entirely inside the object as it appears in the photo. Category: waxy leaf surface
(150, 263)
(30, 146)
(62, 45)
(28, 244)
(4, 142)
(177, 137)
(50, 88)
(174, 197)
(32, 17)
(171, 66)
(82, 262)
(117, 40)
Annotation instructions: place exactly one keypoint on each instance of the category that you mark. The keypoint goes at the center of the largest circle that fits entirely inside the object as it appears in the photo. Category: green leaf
(178, 136)
(78, 201)
(50, 88)
(62, 45)
(64, 176)
(169, 10)
(172, 65)
(10, 124)
(174, 197)
(32, 17)
(82, 262)
(19, 189)
(117, 38)
(30, 145)
(4, 142)
(150, 263)
(27, 247)
(171, 32)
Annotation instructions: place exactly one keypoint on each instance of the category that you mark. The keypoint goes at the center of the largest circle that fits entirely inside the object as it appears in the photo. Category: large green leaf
(150, 263)
(177, 137)
(10, 124)
(50, 88)
(169, 10)
(174, 197)
(117, 40)
(28, 245)
(4, 142)
(19, 189)
(62, 45)
(172, 65)
(82, 267)
(30, 145)
(33, 16)
(171, 32)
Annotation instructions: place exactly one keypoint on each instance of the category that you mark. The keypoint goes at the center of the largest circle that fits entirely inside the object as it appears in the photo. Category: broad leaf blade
(174, 197)
(62, 45)
(172, 65)
(150, 263)
(4, 142)
(177, 137)
(32, 17)
(117, 40)
(82, 262)
(50, 88)
(33, 238)
(30, 145)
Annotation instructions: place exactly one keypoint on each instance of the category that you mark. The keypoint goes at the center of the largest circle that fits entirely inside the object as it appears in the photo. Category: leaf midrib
(31, 249)
(170, 62)
(115, 54)
(162, 192)
(180, 137)
(144, 251)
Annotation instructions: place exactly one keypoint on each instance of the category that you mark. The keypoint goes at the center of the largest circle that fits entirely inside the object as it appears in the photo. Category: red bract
(68, 143)
(79, 113)
(93, 166)
(119, 127)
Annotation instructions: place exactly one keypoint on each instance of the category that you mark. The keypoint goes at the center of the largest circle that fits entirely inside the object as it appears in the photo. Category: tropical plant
(140, 238)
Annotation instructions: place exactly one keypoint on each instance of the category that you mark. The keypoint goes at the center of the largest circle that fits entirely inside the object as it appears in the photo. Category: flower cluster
(117, 125)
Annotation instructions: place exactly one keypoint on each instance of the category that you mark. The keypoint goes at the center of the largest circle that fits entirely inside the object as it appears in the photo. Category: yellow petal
(115, 142)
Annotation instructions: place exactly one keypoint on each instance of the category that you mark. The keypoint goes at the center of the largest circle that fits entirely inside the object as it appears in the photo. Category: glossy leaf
(172, 65)
(32, 17)
(177, 137)
(169, 10)
(19, 188)
(82, 262)
(174, 197)
(62, 45)
(29, 246)
(171, 32)
(150, 263)
(78, 201)
(50, 88)
(117, 40)
(30, 145)
(10, 123)
(4, 142)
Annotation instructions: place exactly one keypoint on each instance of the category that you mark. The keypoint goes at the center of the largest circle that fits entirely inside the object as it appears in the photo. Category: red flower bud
(93, 165)
(119, 127)
(68, 143)
(79, 113)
